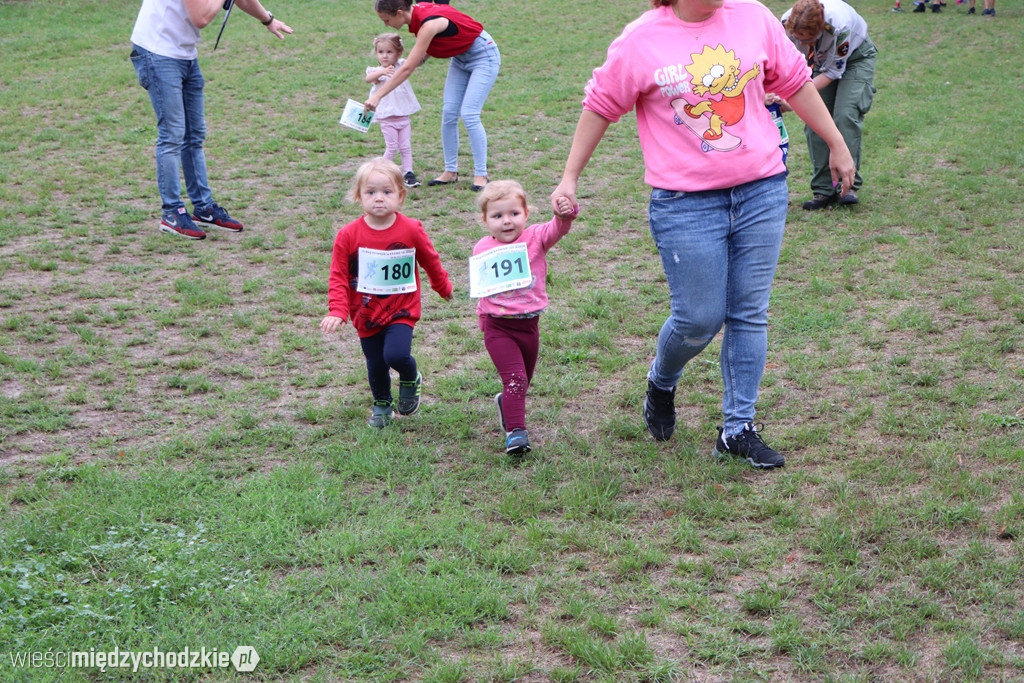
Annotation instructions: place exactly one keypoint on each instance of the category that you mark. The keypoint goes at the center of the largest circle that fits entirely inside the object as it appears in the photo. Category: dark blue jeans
(389, 348)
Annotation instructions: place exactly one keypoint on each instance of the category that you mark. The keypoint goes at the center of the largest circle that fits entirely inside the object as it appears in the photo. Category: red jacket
(466, 29)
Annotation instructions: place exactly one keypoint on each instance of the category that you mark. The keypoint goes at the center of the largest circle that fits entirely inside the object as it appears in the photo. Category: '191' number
(507, 266)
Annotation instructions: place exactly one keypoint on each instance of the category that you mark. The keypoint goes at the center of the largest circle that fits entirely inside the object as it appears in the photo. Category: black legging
(389, 348)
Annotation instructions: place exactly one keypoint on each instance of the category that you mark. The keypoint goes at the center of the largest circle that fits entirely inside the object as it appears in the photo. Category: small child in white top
(394, 110)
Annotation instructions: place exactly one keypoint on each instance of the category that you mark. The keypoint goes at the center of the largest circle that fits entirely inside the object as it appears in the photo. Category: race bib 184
(387, 272)
(498, 270)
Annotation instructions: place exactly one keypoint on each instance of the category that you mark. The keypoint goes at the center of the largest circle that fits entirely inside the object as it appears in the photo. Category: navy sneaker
(748, 445)
(660, 412)
(383, 413)
(517, 442)
(215, 216)
(411, 180)
(409, 395)
(178, 222)
(501, 412)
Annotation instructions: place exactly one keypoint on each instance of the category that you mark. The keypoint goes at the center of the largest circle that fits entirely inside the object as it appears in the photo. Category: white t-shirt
(399, 102)
(844, 31)
(164, 28)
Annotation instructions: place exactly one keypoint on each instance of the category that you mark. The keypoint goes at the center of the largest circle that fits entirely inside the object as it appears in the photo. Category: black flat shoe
(437, 181)
(476, 188)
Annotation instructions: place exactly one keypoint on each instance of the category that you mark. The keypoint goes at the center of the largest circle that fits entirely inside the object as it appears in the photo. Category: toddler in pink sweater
(507, 273)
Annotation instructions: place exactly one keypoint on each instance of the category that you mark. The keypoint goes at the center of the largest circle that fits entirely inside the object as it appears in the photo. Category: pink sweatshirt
(698, 90)
(533, 298)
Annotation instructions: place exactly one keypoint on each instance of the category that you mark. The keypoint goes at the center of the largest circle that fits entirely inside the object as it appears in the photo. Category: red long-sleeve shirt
(370, 313)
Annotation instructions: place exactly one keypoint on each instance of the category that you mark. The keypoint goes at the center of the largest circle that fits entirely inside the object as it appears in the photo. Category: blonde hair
(501, 189)
(393, 38)
(378, 165)
(806, 19)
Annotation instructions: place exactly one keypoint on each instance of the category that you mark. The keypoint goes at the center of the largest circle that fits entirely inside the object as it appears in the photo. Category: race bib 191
(386, 272)
(498, 270)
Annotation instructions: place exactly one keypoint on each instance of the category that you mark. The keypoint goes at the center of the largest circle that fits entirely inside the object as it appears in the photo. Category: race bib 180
(498, 270)
(386, 272)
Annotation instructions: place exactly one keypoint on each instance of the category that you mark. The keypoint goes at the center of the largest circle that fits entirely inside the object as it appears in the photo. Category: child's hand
(331, 323)
(564, 208)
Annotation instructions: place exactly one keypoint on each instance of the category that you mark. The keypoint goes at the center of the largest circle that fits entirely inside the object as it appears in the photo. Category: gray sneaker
(849, 198)
(383, 413)
(409, 395)
(501, 412)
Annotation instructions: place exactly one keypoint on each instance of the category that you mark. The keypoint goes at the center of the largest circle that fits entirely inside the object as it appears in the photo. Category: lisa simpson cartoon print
(716, 78)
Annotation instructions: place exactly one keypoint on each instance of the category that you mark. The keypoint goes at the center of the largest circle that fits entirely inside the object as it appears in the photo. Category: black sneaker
(660, 412)
(411, 180)
(919, 7)
(409, 396)
(748, 445)
(970, 10)
(820, 201)
(517, 442)
(501, 412)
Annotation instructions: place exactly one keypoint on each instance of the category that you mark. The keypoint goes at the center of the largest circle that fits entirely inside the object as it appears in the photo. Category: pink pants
(397, 132)
(513, 344)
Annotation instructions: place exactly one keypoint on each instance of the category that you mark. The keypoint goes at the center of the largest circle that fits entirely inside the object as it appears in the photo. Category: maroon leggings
(513, 344)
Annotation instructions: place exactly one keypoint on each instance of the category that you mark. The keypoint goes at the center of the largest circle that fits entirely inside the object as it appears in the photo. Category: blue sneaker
(178, 222)
(517, 442)
(215, 216)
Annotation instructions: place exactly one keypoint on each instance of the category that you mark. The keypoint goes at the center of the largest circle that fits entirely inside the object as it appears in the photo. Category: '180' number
(398, 271)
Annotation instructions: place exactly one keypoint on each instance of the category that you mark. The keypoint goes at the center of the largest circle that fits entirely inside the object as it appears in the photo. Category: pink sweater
(533, 298)
(712, 75)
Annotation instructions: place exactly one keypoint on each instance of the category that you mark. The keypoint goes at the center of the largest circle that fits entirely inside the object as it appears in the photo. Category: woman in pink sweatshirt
(696, 73)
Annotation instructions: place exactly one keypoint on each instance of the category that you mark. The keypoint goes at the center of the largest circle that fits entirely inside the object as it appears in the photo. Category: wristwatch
(270, 19)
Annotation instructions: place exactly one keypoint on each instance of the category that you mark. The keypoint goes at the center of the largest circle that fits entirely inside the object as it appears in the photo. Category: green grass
(184, 460)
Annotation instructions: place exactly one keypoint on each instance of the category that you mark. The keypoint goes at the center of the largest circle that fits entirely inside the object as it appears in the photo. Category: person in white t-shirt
(834, 38)
(165, 58)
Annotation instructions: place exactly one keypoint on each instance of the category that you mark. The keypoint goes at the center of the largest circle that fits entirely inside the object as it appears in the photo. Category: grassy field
(184, 459)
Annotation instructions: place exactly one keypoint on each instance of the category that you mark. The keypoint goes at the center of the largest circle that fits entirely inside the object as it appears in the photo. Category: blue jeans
(175, 88)
(470, 78)
(719, 250)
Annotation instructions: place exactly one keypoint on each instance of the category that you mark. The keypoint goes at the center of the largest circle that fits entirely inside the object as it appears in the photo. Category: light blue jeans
(471, 76)
(175, 88)
(719, 250)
